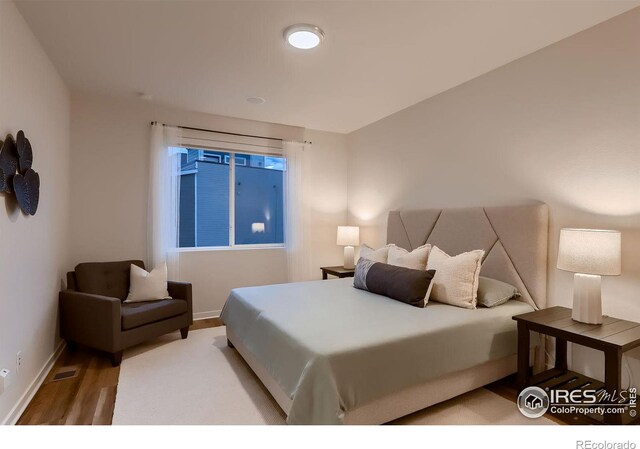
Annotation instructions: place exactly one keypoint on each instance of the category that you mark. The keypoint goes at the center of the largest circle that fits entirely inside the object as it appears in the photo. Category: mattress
(332, 348)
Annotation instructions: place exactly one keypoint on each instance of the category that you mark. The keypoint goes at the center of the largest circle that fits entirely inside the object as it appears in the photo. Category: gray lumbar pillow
(402, 284)
(492, 292)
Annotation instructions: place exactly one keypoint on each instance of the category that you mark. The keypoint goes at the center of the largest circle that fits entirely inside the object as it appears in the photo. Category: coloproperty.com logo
(533, 402)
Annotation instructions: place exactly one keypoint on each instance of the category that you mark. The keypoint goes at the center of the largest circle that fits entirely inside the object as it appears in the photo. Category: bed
(332, 354)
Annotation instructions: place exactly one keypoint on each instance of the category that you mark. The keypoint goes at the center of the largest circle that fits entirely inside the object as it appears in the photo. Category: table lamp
(590, 254)
(348, 236)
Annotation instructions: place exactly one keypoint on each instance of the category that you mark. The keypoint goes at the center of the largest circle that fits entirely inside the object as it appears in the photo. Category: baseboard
(204, 315)
(17, 411)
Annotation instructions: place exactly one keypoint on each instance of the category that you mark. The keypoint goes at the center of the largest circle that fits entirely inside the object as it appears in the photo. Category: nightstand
(340, 272)
(613, 337)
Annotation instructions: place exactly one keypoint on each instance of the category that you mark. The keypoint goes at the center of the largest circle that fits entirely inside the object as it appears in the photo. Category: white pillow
(456, 278)
(416, 259)
(147, 286)
(377, 255)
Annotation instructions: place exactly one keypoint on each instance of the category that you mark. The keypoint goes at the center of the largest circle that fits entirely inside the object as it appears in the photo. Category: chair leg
(116, 358)
(184, 332)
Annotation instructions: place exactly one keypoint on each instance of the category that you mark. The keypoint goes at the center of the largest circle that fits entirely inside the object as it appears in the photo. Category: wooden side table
(340, 272)
(613, 337)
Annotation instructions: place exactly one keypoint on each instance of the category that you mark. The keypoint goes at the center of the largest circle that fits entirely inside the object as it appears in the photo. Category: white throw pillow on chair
(148, 286)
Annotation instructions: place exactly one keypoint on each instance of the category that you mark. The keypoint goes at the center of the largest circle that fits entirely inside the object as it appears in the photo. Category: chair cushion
(137, 314)
(105, 278)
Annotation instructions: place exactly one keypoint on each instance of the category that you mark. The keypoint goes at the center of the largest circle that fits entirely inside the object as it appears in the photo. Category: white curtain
(297, 212)
(164, 188)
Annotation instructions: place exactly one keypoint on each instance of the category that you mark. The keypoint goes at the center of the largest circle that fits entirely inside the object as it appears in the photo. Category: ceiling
(377, 57)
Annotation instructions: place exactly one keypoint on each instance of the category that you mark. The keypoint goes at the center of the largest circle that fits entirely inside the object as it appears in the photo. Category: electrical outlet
(18, 361)
(4, 379)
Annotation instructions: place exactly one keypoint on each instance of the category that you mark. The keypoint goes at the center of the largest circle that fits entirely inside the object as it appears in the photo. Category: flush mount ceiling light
(256, 100)
(303, 36)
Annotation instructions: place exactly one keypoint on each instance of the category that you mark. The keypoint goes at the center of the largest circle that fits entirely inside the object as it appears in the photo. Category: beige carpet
(202, 381)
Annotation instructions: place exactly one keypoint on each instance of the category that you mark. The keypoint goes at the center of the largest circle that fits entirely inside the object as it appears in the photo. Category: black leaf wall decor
(16, 174)
(27, 188)
(25, 153)
(8, 162)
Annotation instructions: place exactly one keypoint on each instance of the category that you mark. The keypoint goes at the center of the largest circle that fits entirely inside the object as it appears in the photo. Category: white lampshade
(348, 235)
(590, 251)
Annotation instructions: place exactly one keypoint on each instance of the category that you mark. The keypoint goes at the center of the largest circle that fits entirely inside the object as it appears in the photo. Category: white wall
(110, 150)
(33, 250)
(328, 195)
(561, 125)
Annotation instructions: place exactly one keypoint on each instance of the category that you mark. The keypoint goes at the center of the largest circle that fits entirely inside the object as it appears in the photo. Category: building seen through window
(210, 206)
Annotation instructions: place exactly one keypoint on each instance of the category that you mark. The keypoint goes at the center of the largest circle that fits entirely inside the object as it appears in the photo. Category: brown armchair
(92, 311)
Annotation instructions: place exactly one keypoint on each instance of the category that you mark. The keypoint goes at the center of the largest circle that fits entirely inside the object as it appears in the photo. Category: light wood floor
(90, 396)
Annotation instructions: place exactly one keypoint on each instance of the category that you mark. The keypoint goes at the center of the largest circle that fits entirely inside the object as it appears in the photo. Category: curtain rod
(228, 133)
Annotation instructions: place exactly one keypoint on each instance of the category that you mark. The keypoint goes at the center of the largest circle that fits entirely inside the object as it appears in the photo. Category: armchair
(92, 311)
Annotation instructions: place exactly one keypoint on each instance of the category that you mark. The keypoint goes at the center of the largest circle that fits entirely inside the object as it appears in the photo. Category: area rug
(202, 381)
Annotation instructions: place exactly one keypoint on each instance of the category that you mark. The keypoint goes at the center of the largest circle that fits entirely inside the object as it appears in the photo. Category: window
(230, 199)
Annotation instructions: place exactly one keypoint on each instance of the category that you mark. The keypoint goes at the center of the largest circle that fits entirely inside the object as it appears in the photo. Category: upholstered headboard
(514, 239)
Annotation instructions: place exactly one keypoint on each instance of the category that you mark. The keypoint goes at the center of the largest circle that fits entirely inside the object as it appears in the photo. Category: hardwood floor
(207, 322)
(86, 398)
(89, 395)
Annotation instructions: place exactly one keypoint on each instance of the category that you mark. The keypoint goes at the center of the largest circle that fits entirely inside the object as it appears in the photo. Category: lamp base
(349, 257)
(587, 300)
